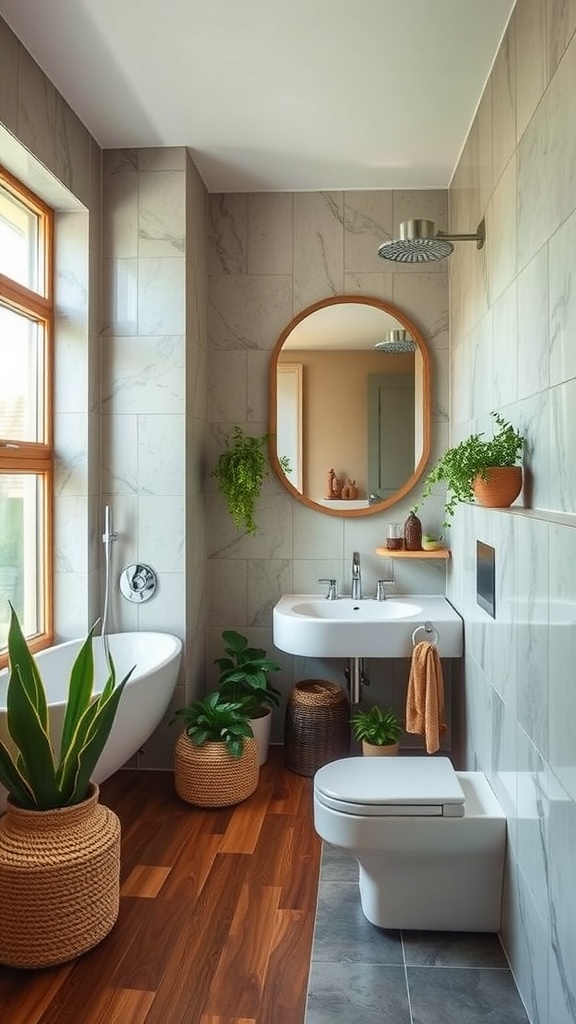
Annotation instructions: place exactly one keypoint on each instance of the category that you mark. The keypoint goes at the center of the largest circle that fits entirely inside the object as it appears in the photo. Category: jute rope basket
(208, 776)
(59, 881)
(317, 725)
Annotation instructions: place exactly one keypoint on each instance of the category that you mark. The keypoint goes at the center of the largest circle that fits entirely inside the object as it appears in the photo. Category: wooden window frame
(36, 458)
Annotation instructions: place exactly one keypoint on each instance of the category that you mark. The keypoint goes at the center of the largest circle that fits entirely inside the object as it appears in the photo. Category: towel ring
(428, 629)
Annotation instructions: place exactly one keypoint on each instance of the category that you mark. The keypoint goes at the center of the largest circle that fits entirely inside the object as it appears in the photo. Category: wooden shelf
(437, 553)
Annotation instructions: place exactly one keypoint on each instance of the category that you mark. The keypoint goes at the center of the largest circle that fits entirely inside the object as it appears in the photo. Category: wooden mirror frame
(402, 319)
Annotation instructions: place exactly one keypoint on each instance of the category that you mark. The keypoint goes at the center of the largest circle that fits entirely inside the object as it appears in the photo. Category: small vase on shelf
(413, 533)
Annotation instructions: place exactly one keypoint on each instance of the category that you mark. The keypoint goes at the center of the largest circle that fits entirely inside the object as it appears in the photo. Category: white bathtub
(144, 701)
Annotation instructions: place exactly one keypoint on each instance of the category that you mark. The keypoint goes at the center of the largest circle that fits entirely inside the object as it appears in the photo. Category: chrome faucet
(356, 592)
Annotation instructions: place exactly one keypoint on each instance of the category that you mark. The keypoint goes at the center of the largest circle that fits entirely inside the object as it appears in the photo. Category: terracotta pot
(373, 750)
(208, 776)
(59, 881)
(502, 487)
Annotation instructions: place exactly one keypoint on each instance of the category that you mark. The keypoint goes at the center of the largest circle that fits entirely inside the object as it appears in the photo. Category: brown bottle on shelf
(413, 533)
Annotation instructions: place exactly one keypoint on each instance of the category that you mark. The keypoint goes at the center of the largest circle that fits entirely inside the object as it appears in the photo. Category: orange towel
(425, 700)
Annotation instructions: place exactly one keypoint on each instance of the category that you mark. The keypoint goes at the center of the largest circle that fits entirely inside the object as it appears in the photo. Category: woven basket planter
(208, 776)
(500, 489)
(59, 881)
(316, 727)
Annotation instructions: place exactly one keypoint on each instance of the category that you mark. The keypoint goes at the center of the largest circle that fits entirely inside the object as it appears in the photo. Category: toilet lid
(390, 785)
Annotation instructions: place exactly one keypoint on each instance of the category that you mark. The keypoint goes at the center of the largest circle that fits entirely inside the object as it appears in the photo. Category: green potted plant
(55, 834)
(378, 730)
(240, 471)
(215, 757)
(481, 469)
(244, 678)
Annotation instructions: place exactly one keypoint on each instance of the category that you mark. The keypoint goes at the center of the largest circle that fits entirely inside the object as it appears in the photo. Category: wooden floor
(216, 918)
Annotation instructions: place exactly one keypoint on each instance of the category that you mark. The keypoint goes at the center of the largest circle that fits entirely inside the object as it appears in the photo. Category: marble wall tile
(161, 539)
(266, 578)
(71, 463)
(367, 223)
(501, 233)
(228, 234)
(562, 837)
(504, 103)
(560, 27)
(143, 375)
(269, 233)
(427, 305)
(533, 326)
(318, 246)
(532, 843)
(120, 454)
(120, 297)
(227, 387)
(546, 199)
(161, 295)
(162, 158)
(526, 939)
(562, 298)
(161, 455)
(563, 456)
(562, 611)
(227, 592)
(505, 347)
(529, 19)
(532, 629)
(120, 216)
(161, 213)
(248, 312)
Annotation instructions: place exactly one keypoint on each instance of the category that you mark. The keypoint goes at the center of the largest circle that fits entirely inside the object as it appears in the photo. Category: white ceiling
(275, 94)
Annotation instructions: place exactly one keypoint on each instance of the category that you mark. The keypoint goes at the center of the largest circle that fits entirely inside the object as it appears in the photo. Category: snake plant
(35, 778)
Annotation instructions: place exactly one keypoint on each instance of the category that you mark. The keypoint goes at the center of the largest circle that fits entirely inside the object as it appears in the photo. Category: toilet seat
(390, 786)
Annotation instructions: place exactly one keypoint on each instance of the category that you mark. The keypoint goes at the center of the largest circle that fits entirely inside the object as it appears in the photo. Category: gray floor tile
(453, 949)
(357, 994)
(337, 865)
(453, 995)
(343, 934)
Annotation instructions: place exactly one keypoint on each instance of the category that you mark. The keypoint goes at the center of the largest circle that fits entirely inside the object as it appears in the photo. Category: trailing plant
(379, 726)
(34, 777)
(473, 456)
(214, 720)
(244, 674)
(240, 470)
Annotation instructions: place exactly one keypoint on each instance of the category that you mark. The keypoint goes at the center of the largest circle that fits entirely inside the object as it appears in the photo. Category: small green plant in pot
(378, 730)
(55, 836)
(216, 757)
(468, 467)
(244, 678)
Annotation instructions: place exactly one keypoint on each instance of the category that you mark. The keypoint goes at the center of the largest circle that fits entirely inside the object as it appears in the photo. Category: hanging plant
(240, 470)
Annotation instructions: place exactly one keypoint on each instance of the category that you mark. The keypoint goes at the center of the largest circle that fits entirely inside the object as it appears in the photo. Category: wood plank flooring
(216, 918)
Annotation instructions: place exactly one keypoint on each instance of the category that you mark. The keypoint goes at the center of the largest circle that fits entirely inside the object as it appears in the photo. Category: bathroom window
(26, 447)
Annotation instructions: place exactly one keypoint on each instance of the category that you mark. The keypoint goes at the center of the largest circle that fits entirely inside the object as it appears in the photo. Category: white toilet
(430, 842)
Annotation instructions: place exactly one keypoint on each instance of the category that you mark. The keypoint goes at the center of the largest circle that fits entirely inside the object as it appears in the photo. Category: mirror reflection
(350, 405)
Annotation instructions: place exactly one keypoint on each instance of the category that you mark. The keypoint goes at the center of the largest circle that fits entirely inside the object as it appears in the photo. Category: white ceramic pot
(261, 729)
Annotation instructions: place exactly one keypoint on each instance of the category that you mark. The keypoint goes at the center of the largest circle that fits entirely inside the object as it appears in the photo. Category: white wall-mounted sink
(314, 627)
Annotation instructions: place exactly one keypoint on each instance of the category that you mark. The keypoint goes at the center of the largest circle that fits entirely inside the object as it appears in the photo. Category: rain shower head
(419, 242)
(396, 343)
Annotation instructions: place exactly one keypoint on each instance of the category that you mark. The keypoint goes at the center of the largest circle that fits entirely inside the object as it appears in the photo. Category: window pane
(21, 377)
(21, 552)
(20, 256)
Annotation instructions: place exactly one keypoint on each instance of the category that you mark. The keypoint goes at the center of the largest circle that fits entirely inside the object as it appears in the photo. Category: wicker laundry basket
(317, 726)
(59, 881)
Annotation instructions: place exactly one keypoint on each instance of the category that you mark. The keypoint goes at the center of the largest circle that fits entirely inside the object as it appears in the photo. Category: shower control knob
(138, 582)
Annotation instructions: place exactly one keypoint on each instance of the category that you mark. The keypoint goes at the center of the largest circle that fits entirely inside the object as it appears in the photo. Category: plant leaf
(95, 738)
(33, 742)
(19, 655)
(79, 692)
(14, 781)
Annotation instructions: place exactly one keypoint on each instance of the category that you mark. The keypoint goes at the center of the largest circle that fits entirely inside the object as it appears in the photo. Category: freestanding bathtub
(142, 706)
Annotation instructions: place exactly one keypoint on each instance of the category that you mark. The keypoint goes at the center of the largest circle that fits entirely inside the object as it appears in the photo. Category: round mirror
(349, 405)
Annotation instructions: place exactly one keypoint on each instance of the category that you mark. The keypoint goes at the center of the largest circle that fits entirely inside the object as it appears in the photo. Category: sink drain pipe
(356, 678)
